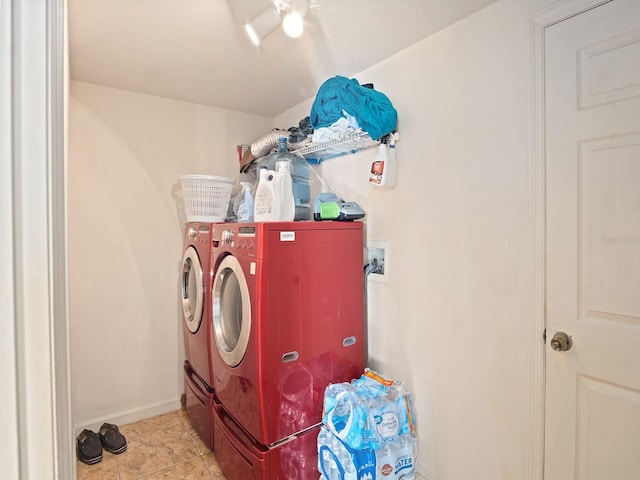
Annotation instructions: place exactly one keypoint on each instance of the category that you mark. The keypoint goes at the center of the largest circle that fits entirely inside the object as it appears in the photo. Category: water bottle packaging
(348, 417)
(396, 460)
(369, 411)
(390, 405)
(337, 461)
(404, 468)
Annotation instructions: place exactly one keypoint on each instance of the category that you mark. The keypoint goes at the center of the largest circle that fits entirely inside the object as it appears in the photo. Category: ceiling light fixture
(261, 26)
(293, 23)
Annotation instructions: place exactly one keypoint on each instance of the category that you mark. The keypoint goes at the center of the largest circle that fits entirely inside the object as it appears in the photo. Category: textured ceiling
(197, 51)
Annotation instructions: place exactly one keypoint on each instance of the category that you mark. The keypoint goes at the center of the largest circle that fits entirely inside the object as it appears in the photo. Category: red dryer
(287, 319)
(195, 288)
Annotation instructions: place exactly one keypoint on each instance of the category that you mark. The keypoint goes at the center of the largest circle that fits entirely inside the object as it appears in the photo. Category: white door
(592, 65)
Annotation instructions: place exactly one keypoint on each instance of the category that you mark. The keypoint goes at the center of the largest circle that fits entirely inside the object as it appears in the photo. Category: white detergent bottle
(265, 204)
(284, 192)
(245, 210)
(379, 170)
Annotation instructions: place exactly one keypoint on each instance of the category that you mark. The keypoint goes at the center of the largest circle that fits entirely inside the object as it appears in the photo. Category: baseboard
(130, 416)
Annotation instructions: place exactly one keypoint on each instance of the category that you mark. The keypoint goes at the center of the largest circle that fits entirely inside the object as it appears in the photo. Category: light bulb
(293, 25)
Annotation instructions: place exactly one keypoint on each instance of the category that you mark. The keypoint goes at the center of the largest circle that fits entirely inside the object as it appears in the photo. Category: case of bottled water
(337, 461)
(368, 431)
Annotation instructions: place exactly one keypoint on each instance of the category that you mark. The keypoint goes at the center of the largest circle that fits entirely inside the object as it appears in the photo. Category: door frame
(35, 364)
(538, 22)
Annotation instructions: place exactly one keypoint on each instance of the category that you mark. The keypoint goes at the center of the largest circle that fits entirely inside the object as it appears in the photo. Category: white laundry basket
(206, 197)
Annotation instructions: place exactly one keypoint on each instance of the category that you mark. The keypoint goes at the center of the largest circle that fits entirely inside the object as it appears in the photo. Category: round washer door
(231, 311)
(192, 289)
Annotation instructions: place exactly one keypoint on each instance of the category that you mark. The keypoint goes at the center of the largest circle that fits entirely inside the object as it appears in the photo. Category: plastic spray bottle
(245, 210)
(384, 167)
(378, 175)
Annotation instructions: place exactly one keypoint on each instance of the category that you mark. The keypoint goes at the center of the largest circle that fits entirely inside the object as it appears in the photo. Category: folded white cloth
(337, 131)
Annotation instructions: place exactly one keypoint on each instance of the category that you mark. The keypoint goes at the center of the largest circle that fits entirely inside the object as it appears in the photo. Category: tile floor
(162, 447)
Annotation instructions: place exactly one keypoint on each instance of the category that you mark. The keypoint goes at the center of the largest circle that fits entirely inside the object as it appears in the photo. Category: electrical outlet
(375, 258)
(378, 258)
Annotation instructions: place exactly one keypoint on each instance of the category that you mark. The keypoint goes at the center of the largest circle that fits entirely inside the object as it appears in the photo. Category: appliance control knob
(227, 236)
(192, 232)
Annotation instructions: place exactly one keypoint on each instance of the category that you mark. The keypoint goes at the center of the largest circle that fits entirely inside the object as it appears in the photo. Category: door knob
(561, 342)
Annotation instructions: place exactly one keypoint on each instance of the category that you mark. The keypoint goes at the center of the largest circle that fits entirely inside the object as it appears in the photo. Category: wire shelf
(350, 143)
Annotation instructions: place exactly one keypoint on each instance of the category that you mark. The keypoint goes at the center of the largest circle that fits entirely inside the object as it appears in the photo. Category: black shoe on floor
(111, 438)
(89, 448)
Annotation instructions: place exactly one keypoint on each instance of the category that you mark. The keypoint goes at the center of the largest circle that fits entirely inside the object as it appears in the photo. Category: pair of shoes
(90, 444)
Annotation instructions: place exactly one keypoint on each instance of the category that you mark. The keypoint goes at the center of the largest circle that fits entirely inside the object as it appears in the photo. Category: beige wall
(125, 241)
(452, 320)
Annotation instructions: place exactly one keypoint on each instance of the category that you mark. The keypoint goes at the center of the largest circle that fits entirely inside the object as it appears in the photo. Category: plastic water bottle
(346, 461)
(300, 172)
(405, 458)
(385, 463)
(335, 462)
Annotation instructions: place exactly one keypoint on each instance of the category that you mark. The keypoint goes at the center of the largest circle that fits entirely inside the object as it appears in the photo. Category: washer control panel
(227, 237)
(198, 234)
(237, 237)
